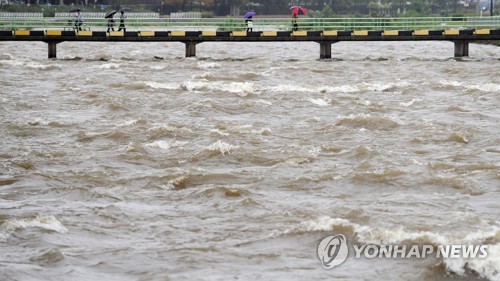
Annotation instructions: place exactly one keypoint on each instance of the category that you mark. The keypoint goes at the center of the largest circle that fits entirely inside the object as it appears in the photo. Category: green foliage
(327, 12)
(231, 24)
(16, 8)
(317, 8)
(412, 14)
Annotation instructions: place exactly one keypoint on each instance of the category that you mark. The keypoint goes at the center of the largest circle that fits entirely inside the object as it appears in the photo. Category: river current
(127, 161)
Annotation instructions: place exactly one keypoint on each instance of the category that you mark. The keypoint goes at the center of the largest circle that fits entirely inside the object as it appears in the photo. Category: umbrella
(110, 14)
(75, 10)
(298, 10)
(249, 15)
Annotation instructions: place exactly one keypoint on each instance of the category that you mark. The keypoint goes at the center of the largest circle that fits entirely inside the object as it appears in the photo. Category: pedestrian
(79, 20)
(249, 23)
(122, 21)
(294, 22)
(111, 24)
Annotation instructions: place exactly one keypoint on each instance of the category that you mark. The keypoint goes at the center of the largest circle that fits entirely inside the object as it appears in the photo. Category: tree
(229, 7)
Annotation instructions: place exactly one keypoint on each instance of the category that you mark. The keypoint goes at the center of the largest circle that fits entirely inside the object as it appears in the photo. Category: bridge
(191, 32)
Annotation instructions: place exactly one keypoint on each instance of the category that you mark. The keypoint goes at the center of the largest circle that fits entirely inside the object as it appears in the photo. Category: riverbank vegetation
(317, 8)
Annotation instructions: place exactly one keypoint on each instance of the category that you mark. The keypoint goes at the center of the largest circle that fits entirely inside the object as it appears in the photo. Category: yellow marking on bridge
(147, 33)
(299, 33)
(178, 33)
(360, 33)
(116, 33)
(421, 32)
(209, 33)
(22, 33)
(269, 33)
(330, 33)
(482, 31)
(240, 33)
(452, 32)
(84, 33)
(53, 33)
(391, 32)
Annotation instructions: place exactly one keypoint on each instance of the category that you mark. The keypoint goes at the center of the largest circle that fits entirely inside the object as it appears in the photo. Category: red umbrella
(298, 10)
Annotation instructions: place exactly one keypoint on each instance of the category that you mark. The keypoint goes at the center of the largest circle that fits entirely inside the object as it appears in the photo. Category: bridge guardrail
(264, 24)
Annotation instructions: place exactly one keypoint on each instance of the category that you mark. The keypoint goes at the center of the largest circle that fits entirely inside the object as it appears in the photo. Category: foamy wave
(320, 101)
(158, 85)
(410, 103)
(202, 83)
(264, 102)
(368, 121)
(32, 65)
(38, 66)
(46, 222)
(108, 66)
(291, 88)
(307, 150)
(217, 132)
(157, 67)
(131, 122)
(380, 236)
(248, 129)
(221, 147)
(233, 87)
(166, 145)
(486, 87)
(488, 267)
(209, 65)
(377, 87)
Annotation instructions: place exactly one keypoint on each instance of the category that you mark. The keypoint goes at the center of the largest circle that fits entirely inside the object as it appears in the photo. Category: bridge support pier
(461, 49)
(52, 49)
(325, 49)
(190, 49)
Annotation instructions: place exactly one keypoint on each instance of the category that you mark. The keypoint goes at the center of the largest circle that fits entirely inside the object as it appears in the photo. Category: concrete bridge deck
(325, 38)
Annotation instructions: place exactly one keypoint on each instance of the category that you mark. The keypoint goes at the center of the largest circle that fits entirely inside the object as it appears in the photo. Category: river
(127, 161)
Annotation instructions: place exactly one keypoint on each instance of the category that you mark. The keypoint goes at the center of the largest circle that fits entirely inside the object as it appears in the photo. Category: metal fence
(99, 15)
(20, 15)
(264, 24)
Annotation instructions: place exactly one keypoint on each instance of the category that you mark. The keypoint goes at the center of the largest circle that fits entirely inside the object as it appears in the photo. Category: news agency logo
(333, 250)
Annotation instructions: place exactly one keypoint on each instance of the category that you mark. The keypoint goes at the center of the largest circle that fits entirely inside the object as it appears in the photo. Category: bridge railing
(259, 24)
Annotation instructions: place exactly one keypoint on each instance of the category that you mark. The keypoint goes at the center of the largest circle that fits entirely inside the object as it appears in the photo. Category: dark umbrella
(110, 14)
(298, 10)
(75, 10)
(249, 15)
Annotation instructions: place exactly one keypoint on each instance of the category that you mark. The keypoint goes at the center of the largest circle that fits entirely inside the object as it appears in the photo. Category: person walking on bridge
(122, 21)
(249, 23)
(111, 24)
(79, 20)
(294, 22)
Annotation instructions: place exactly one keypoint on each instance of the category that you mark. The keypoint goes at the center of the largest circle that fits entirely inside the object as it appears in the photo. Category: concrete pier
(325, 50)
(461, 49)
(190, 49)
(52, 49)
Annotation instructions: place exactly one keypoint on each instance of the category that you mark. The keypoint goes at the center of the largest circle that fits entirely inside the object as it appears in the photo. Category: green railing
(260, 24)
